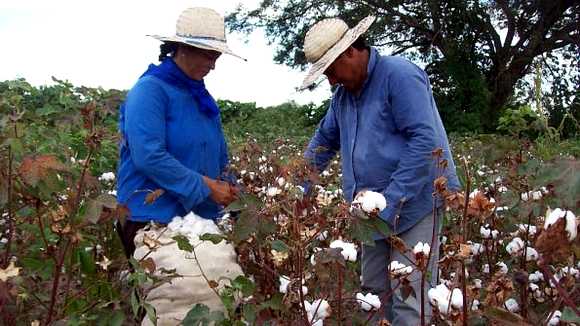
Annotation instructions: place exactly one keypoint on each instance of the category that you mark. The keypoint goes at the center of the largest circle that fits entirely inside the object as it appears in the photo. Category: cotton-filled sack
(173, 300)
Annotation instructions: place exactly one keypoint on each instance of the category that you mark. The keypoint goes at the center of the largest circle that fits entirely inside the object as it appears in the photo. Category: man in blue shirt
(384, 121)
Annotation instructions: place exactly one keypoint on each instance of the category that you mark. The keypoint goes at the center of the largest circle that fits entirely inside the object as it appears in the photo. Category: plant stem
(10, 213)
(462, 241)
(55, 282)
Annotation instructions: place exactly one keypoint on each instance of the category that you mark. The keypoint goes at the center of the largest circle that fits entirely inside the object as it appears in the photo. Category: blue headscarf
(169, 72)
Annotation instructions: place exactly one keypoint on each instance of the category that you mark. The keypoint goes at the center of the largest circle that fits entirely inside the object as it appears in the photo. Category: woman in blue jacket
(172, 138)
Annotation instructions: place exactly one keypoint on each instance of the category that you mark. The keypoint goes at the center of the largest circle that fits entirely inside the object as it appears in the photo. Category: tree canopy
(476, 52)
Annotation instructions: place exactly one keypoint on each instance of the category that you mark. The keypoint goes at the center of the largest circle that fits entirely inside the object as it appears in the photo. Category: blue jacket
(386, 136)
(167, 144)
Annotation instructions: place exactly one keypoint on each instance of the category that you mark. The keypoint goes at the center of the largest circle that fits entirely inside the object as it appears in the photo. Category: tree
(475, 51)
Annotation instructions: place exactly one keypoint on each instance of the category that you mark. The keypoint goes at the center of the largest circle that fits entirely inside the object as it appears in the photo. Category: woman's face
(197, 62)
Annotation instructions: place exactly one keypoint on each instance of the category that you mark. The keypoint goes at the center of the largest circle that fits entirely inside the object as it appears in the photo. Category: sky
(103, 43)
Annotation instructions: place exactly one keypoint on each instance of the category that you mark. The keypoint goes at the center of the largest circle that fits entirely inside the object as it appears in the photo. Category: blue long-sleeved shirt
(386, 136)
(167, 144)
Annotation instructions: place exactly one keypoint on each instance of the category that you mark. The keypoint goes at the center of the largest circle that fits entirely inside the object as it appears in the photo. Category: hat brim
(328, 58)
(206, 44)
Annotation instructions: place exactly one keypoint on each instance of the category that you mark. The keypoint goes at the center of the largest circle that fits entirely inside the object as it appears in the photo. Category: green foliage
(474, 72)
(521, 121)
(244, 121)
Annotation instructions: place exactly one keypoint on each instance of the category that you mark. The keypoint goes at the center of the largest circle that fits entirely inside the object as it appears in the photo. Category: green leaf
(245, 201)
(88, 265)
(227, 297)
(199, 314)
(214, 238)
(134, 303)
(279, 246)
(244, 284)
(569, 316)
(363, 231)
(381, 226)
(249, 313)
(93, 211)
(275, 303)
(183, 243)
(150, 313)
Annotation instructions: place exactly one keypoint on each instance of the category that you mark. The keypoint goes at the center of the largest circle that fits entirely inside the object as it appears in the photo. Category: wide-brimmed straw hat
(202, 28)
(326, 40)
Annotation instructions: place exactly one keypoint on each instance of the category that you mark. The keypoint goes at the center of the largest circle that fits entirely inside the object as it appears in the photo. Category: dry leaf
(150, 242)
(148, 264)
(8, 272)
(153, 196)
(212, 284)
(464, 250)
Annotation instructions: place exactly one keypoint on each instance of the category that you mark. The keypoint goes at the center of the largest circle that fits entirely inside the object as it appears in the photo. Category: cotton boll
(175, 224)
(107, 176)
(477, 283)
(531, 254)
(555, 319)
(457, 299)
(348, 249)
(370, 201)
(441, 296)
(368, 302)
(284, 282)
(322, 308)
(515, 246)
(536, 277)
(280, 181)
(523, 228)
(475, 305)
(422, 248)
(485, 268)
(502, 267)
(273, 191)
(524, 196)
(558, 213)
(512, 305)
(398, 269)
(536, 195)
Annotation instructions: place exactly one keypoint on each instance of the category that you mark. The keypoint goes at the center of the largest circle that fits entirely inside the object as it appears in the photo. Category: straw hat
(326, 40)
(202, 28)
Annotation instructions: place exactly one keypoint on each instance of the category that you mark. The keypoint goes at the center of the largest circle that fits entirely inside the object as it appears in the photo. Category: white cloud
(103, 43)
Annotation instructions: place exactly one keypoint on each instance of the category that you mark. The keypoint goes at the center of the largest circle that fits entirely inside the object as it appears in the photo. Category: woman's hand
(222, 192)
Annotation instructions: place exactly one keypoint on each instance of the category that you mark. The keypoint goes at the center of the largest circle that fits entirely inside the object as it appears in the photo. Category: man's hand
(222, 192)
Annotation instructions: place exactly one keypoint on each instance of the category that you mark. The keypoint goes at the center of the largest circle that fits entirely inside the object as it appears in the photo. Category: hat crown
(201, 22)
(322, 36)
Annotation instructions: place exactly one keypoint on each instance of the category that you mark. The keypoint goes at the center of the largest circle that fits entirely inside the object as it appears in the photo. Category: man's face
(346, 71)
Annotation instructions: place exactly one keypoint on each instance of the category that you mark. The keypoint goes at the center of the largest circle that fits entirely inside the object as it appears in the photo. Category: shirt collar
(373, 54)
